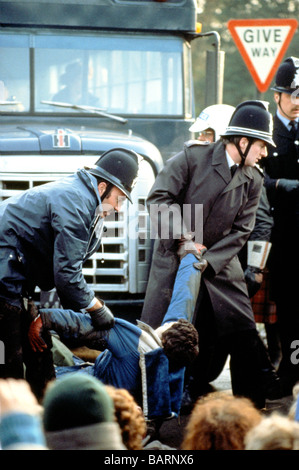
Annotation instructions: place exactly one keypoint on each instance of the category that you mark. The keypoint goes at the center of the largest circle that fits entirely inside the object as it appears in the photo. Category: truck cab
(79, 79)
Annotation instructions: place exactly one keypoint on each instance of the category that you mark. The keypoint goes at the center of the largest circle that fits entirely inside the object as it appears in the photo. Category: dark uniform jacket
(45, 236)
(200, 175)
(283, 162)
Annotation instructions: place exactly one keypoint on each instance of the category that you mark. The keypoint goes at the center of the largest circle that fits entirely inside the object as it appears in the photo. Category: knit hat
(76, 400)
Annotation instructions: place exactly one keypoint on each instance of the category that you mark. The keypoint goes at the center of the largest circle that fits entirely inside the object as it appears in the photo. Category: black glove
(102, 318)
(287, 185)
(250, 277)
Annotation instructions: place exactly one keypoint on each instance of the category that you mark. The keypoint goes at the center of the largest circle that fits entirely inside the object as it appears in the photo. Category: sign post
(262, 43)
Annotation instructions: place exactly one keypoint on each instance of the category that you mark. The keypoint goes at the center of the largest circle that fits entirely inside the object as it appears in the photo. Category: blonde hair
(275, 432)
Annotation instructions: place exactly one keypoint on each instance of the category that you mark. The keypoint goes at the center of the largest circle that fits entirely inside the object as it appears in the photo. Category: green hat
(76, 400)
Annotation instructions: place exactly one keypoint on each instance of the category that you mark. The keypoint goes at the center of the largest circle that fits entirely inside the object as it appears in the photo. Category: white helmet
(215, 117)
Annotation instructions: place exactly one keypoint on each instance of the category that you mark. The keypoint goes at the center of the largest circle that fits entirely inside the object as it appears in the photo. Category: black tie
(293, 130)
(233, 169)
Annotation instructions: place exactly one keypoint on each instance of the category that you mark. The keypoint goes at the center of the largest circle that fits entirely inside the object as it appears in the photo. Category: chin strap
(107, 191)
(243, 155)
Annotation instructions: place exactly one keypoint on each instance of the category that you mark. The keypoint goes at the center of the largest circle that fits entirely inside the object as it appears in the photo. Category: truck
(80, 78)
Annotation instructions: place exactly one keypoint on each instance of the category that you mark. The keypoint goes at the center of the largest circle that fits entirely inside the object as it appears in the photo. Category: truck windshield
(121, 74)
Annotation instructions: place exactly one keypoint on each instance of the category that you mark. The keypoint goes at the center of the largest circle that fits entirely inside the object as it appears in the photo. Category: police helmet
(119, 167)
(251, 119)
(215, 117)
(287, 76)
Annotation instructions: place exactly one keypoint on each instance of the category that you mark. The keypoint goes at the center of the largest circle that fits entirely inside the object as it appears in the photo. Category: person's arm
(72, 327)
(76, 328)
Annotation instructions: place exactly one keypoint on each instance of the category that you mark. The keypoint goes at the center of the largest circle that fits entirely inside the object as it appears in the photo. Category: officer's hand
(102, 318)
(34, 334)
(287, 185)
(254, 279)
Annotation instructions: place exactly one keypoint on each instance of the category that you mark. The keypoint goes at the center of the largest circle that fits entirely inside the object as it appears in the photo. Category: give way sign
(262, 44)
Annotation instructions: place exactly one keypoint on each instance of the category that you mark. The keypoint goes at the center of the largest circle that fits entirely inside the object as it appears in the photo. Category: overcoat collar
(219, 162)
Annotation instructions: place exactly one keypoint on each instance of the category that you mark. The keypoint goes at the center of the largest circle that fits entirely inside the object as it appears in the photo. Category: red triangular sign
(262, 44)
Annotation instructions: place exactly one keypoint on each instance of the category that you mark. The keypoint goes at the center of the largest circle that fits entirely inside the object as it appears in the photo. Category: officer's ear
(243, 143)
(102, 186)
(276, 97)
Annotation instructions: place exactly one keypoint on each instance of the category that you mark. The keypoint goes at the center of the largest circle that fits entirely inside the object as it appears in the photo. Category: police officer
(282, 182)
(201, 174)
(210, 125)
(212, 122)
(46, 234)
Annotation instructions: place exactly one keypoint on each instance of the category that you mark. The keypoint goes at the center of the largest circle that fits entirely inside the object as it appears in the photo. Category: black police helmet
(251, 119)
(119, 167)
(287, 76)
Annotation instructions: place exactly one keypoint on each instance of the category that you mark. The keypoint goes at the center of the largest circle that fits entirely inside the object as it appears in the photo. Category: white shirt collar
(229, 159)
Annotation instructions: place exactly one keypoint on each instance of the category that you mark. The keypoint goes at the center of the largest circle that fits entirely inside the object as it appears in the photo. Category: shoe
(192, 394)
(188, 403)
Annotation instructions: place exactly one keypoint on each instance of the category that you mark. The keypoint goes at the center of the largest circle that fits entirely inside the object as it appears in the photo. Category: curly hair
(275, 432)
(220, 422)
(129, 417)
(180, 343)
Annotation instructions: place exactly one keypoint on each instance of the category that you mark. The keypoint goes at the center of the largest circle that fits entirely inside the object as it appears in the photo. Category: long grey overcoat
(200, 175)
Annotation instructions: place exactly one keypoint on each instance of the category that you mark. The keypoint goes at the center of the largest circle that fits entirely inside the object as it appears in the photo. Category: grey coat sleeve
(165, 199)
(264, 220)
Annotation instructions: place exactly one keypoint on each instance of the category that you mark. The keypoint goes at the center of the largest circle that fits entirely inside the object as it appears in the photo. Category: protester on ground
(149, 363)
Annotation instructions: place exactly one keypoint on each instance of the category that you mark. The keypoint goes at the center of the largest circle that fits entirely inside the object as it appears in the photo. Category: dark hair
(235, 139)
(108, 189)
(180, 343)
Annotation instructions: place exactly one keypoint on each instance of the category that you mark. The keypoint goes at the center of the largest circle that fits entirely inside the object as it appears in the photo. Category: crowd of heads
(80, 412)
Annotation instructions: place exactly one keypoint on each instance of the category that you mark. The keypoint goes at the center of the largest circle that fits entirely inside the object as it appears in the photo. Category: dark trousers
(39, 367)
(11, 337)
(251, 370)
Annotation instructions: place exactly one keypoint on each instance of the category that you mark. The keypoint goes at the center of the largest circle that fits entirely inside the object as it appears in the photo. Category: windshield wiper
(9, 103)
(91, 109)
